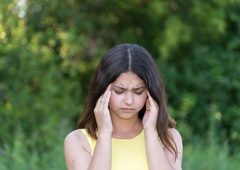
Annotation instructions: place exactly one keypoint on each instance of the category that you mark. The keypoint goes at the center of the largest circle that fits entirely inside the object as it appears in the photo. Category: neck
(126, 128)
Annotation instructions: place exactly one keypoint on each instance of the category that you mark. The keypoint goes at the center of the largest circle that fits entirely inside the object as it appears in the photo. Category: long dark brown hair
(118, 60)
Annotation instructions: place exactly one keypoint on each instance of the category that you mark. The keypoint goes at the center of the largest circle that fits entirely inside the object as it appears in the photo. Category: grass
(201, 156)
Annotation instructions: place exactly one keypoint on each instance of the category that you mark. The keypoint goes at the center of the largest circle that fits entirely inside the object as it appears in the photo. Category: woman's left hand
(151, 114)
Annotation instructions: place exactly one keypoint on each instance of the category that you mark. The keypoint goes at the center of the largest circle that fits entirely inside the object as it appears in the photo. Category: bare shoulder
(77, 139)
(75, 136)
(75, 147)
(176, 135)
(178, 140)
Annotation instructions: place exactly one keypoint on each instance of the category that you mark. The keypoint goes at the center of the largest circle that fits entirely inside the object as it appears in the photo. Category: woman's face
(128, 96)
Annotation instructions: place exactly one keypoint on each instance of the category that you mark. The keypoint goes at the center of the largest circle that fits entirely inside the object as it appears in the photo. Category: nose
(129, 98)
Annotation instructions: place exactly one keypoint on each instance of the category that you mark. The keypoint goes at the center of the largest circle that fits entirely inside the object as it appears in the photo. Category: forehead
(128, 80)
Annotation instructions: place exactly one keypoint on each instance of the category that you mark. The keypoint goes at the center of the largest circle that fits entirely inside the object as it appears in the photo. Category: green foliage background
(49, 50)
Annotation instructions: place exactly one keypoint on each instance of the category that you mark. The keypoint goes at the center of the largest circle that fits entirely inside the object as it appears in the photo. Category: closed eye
(139, 92)
(119, 92)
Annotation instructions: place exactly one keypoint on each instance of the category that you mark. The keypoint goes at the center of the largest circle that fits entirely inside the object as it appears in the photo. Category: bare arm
(102, 156)
(177, 165)
(78, 153)
(77, 150)
(158, 156)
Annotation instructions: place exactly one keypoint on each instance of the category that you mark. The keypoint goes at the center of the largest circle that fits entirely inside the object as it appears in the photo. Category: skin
(117, 117)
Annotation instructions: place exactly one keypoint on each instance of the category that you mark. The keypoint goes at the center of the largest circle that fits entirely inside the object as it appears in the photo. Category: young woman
(125, 124)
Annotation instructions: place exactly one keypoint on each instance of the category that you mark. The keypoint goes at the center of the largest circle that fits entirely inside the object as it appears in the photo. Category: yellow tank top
(127, 154)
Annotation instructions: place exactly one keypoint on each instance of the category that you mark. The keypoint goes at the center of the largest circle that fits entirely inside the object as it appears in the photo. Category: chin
(128, 116)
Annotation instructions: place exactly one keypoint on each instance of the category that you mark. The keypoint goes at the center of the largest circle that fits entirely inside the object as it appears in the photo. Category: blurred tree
(49, 50)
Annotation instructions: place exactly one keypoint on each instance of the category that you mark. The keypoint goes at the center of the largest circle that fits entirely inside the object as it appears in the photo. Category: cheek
(141, 100)
(114, 100)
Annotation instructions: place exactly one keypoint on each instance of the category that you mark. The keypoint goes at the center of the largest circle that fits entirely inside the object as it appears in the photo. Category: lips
(127, 110)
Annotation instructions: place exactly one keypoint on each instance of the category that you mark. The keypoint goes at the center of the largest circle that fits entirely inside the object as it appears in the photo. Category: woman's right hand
(102, 114)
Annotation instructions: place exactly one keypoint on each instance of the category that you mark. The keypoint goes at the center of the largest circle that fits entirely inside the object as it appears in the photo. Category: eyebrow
(136, 88)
